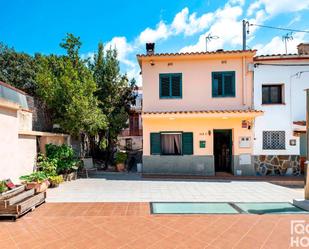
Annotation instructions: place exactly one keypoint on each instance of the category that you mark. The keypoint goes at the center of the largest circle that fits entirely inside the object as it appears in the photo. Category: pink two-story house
(197, 112)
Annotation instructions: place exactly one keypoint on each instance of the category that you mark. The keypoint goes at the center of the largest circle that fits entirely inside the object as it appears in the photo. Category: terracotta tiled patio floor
(130, 225)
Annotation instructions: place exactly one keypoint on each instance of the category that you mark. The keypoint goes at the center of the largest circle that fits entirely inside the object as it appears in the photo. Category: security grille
(273, 140)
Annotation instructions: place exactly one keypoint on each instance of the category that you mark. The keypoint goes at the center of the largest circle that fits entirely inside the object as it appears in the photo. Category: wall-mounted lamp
(209, 132)
(152, 63)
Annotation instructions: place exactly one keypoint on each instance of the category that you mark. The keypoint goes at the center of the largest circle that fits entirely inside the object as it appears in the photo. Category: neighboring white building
(279, 84)
(18, 142)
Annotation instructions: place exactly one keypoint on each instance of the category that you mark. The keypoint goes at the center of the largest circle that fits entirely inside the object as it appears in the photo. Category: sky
(175, 26)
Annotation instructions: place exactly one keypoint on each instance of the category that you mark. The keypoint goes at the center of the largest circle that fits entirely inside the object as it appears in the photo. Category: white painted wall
(280, 117)
(17, 152)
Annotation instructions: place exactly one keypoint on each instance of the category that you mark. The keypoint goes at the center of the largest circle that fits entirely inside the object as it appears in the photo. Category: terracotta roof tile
(198, 53)
(302, 123)
(204, 112)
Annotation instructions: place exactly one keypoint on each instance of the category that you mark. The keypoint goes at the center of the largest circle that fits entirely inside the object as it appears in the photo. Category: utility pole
(245, 31)
(244, 35)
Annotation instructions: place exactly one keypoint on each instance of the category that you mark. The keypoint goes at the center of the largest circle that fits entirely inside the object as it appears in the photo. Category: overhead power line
(271, 27)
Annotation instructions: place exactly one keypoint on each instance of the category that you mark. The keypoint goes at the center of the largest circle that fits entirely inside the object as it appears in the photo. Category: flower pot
(70, 176)
(120, 167)
(39, 187)
(54, 185)
(73, 175)
(139, 167)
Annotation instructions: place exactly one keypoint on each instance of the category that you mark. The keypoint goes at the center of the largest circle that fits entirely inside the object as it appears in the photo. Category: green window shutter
(155, 143)
(223, 84)
(176, 85)
(215, 83)
(164, 85)
(187, 143)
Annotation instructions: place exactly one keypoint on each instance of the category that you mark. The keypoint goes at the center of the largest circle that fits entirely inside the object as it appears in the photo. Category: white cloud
(226, 25)
(253, 7)
(277, 45)
(183, 23)
(152, 35)
(190, 24)
(123, 49)
(134, 72)
(274, 7)
(296, 19)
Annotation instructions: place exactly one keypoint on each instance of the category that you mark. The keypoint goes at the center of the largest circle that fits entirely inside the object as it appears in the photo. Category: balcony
(131, 133)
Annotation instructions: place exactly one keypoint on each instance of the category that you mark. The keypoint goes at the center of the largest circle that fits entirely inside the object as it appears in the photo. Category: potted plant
(3, 187)
(55, 181)
(66, 164)
(37, 180)
(120, 160)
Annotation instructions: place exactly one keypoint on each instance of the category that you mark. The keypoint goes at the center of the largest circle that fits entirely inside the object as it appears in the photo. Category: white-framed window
(273, 140)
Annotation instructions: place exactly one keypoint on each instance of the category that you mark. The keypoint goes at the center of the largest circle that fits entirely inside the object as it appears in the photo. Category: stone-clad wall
(277, 165)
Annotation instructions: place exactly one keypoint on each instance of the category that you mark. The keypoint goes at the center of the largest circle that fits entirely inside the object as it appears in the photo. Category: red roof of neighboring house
(302, 123)
(281, 57)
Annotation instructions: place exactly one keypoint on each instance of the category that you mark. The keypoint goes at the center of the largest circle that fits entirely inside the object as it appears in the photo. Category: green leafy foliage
(47, 165)
(115, 93)
(55, 180)
(64, 157)
(3, 187)
(38, 176)
(67, 87)
(17, 69)
(120, 157)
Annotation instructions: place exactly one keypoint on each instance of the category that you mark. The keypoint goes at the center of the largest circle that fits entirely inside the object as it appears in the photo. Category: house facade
(131, 138)
(198, 115)
(280, 134)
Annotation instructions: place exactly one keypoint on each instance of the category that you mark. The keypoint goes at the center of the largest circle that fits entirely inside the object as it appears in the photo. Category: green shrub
(63, 156)
(47, 165)
(3, 187)
(54, 180)
(38, 176)
(121, 157)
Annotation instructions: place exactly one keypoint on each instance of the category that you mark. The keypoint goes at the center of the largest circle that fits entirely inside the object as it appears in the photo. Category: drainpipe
(244, 87)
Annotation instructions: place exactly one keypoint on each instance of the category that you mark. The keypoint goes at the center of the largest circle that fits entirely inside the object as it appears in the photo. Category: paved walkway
(130, 225)
(131, 188)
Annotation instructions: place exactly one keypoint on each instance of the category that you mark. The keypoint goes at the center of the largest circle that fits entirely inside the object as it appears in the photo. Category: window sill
(216, 97)
(170, 97)
(274, 104)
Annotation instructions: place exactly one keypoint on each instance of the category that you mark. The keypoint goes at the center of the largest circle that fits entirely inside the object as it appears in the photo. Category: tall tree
(67, 87)
(116, 95)
(72, 45)
(17, 69)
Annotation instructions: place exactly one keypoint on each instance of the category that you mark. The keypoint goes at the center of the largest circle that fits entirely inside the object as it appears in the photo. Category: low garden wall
(277, 165)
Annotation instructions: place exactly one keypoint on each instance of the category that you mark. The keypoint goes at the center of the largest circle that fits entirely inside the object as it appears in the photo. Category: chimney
(150, 48)
(303, 48)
